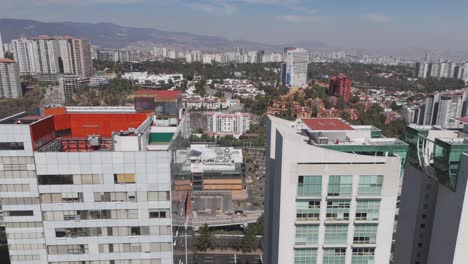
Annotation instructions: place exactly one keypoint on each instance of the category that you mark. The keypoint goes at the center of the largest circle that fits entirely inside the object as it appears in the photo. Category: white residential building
(422, 69)
(297, 61)
(2, 51)
(10, 83)
(324, 203)
(442, 108)
(23, 54)
(207, 59)
(84, 198)
(412, 114)
(54, 55)
(69, 85)
(144, 78)
(221, 124)
(212, 168)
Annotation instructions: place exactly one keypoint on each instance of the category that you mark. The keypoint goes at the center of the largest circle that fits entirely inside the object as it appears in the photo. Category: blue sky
(343, 23)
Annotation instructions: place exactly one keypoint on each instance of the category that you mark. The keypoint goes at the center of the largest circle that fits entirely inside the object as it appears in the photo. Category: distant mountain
(309, 45)
(110, 35)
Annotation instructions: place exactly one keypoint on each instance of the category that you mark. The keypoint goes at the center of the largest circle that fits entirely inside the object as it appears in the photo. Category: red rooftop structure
(159, 94)
(321, 124)
(340, 85)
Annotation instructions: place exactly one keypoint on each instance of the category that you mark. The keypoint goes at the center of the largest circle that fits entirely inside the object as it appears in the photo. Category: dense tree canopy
(31, 100)
(367, 76)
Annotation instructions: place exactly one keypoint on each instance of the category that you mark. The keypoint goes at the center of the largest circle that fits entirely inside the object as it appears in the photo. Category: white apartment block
(144, 78)
(69, 84)
(54, 55)
(23, 54)
(71, 196)
(297, 61)
(10, 83)
(324, 203)
(2, 50)
(441, 109)
(221, 124)
(412, 114)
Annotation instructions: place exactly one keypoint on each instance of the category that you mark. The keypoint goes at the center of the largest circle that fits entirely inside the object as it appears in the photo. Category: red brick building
(340, 85)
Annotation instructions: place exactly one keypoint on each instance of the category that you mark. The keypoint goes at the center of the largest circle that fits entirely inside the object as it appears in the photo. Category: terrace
(336, 134)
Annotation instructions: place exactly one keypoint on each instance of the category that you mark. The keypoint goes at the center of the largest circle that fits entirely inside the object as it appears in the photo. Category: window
(123, 178)
(135, 231)
(20, 201)
(340, 185)
(25, 235)
(24, 225)
(367, 210)
(67, 249)
(55, 179)
(308, 210)
(334, 256)
(336, 233)
(70, 179)
(10, 172)
(20, 213)
(11, 146)
(338, 210)
(363, 255)
(158, 213)
(306, 234)
(365, 234)
(62, 197)
(158, 196)
(305, 256)
(25, 257)
(309, 186)
(14, 188)
(370, 185)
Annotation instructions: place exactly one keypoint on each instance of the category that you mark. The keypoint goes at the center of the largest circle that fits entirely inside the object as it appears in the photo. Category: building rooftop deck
(77, 145)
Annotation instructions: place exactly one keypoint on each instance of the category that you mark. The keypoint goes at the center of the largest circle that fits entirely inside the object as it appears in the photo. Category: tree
(396, 128)
(203, 241)
(260, 225)
(355, 99)
(340, 103)
(249, 240)
(219, 94)
(327, 104)
(200, 88)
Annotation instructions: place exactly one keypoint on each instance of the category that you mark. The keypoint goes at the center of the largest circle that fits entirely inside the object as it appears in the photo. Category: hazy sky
(343, 23)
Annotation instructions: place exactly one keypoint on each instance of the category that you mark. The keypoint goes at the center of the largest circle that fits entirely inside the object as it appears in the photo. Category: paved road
(228, 259)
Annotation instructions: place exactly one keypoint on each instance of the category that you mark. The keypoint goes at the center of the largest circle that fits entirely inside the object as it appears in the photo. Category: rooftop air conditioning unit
(94, 140)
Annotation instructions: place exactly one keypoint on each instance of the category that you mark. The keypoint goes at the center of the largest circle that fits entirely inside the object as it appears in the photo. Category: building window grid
(309, 186)
(305, 256)
(67, 249)
(67, 197)
(338, 210)
(334, 256)
(365, 234)
(363, 255)
(370, 185)
(308, 210)
(340, 185)
(307, 234)
(336, 233)
(367, 210)
(16, 174)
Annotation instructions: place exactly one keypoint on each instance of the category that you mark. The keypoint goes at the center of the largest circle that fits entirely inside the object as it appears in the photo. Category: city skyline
(349, 25)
